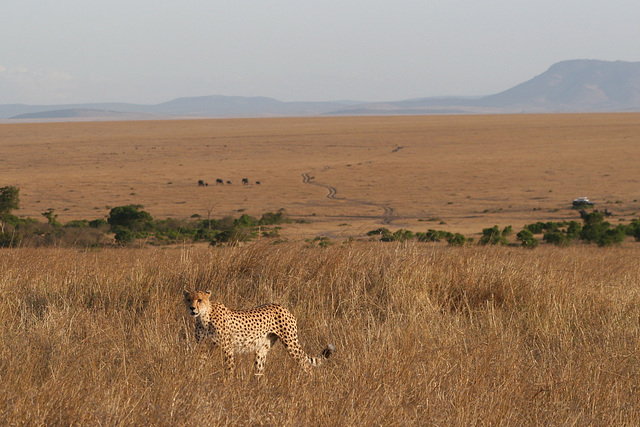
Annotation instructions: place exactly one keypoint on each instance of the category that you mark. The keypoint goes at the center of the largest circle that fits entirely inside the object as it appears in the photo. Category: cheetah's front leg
(227, 353)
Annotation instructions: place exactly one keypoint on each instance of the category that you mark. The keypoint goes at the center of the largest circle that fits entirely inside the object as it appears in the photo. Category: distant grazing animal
(257, 182)
(201, 183)
(254, 330)
(219, 182)
(245, 181)
(229, 182)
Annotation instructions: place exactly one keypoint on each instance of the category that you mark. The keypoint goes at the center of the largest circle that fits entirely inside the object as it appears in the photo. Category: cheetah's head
(197, 302)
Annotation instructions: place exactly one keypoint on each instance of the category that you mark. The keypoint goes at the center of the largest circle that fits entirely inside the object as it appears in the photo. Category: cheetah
(243, 331)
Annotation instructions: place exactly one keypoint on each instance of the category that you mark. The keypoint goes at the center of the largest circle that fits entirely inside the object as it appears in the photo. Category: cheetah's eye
(199, 300)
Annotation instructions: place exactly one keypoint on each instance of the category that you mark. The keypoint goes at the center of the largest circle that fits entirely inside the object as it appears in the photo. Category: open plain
(344, 175)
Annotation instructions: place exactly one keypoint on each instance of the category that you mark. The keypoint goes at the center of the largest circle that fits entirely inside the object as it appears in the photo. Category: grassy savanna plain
(426, 334)
(345, 175)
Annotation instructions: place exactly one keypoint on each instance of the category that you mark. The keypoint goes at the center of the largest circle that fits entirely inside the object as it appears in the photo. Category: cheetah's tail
(328, 351)
(324, 355)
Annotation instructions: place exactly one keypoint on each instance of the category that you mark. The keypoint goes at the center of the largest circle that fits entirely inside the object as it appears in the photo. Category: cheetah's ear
(185, 293)
(208, 293)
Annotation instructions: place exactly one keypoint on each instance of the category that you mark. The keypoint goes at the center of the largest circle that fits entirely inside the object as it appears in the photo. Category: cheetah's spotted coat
(253, 330)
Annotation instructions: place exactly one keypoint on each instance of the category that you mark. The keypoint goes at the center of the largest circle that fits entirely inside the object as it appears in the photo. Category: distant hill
(580, 85)
(82, 114)
(239, 106)
(202, 106)
(568, 86)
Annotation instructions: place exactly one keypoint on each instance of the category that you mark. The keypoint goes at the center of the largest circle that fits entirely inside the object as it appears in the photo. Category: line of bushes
(130, 223)
(594, 229)
(126, 224)
(402, 235)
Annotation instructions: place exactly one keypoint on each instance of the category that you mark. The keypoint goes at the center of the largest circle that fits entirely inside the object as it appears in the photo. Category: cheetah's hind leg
(262, 351)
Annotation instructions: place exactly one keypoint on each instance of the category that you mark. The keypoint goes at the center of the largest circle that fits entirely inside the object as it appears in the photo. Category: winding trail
(388, 215)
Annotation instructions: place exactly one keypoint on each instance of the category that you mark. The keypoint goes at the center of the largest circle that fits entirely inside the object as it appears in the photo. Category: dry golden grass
(470, 172)
(425, 334)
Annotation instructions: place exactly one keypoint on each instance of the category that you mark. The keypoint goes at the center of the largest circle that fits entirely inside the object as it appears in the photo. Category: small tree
(9, 200)
(633, 229)
(536, 228)
(271, 218)
(51, 217)
(245, 221)
(594, 227)
(384, 233)
(131, 218)
(124, 236)
(456, 239)
(493, 236)
(400, 235)
(526, 237)
(574, 229)
(557, 238)
(209, 210)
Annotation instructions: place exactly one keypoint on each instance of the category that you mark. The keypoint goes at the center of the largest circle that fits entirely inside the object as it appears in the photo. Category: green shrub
(245, 221)
(594, 226)
(235, 235)
(400, 235)
(271, 218)
(384, 233)
(599, 231)
(633, 229)
(574, 229)
(536, 228)
(81, 223)
(271, 233)
(321, 241)
(205, 235)
(541, 227)
(124, 235)
(98, 223)
(210, 224)
(9, 201)
(492, 236)
(434, 236)
(131, 218)
(456, 239)
(9, 238)
(612, 236)
(526, 238)
(556, 238)
(51, 217)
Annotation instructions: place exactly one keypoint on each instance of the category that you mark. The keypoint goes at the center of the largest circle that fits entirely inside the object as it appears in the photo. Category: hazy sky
(150, 51)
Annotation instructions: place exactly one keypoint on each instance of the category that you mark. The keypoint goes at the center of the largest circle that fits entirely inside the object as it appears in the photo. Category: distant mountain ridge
(77, 113)
(568, 86)
(195, 107)
(586, 85)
